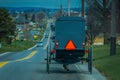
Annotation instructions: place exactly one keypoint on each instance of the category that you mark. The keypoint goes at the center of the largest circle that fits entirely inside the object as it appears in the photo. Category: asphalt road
(30, 65)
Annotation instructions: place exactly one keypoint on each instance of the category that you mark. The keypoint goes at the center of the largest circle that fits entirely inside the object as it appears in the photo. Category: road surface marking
(86, 76)
(32, 47)
(3, 63)
(4, 53)
(77, 67)
(47, 41)
(27, 57)
(21, 59)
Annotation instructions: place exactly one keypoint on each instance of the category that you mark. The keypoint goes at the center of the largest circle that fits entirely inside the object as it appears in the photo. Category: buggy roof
(69, 18)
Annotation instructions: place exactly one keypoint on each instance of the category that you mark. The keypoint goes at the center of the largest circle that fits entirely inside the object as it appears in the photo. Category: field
(108, 65)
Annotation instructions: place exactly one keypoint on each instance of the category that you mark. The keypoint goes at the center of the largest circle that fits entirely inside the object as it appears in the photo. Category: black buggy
(69, 43)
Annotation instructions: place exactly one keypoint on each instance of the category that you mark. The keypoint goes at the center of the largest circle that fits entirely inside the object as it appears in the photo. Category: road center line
(27, 57)
(21, 59)
(3, 63)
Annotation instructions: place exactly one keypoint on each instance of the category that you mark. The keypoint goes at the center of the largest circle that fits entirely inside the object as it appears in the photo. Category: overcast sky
(39, 3)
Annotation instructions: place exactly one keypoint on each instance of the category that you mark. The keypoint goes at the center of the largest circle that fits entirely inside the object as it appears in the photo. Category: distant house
(21, 20)
(22, 26)
(31, 23)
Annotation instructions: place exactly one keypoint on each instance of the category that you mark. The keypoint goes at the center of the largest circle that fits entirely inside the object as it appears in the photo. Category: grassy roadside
(108, 65)
(21, 45)
(16, 46)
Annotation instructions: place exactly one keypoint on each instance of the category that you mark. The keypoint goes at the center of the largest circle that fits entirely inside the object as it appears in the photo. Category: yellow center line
(3, 63)
(27, 57)
(21, 59)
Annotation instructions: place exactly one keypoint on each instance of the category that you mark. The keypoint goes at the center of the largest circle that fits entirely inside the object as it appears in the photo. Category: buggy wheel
(90, 60)
(47, 65)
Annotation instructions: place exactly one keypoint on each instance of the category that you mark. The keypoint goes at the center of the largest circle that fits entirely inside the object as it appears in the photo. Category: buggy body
(69, 39)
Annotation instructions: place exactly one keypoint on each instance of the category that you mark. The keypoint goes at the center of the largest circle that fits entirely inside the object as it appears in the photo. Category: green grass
(16, 46)
(108, 65)
(21, 45)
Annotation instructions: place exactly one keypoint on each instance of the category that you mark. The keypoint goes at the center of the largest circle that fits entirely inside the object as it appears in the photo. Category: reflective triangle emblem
(70, 45)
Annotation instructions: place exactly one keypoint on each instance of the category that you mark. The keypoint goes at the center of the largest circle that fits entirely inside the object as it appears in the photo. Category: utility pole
(82, 12)
(68, 7)
(113, 29)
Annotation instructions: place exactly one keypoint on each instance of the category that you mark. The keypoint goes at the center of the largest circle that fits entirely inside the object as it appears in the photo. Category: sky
(40, 3)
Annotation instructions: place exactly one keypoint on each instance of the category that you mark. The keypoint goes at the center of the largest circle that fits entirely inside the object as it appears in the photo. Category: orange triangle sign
(70, 45)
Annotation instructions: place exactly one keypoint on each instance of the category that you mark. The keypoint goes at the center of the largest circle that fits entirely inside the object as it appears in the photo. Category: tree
(33, 18)
(41, 15)
(26, 16)
(7, 26)
(102, 10)
(94, 22)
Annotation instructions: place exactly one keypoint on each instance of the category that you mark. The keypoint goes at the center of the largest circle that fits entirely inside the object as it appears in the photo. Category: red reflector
(70, 45)
(53, 51)
(86, 51)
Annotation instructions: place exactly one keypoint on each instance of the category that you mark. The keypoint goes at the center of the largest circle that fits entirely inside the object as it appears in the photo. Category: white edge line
(32, 47)
(4, 53)
(43, 36)
(47, 41)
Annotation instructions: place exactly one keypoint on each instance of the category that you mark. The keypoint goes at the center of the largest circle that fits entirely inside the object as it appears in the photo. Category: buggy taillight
(53, 51)
(83, 45)
(56, 44)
